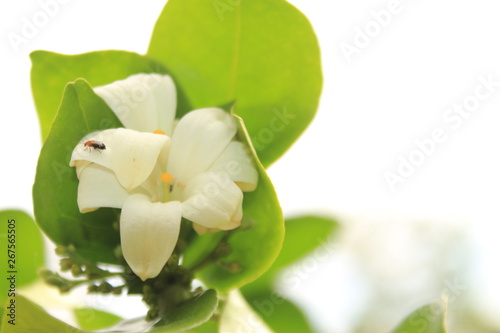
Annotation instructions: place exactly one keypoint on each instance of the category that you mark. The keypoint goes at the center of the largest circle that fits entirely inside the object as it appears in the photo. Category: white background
(395, 90)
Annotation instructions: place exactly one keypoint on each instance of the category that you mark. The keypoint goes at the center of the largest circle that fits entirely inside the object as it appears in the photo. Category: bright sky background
(400, 87)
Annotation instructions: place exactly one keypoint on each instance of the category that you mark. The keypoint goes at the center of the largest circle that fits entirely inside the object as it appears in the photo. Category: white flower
(238, 316)
(194, 169)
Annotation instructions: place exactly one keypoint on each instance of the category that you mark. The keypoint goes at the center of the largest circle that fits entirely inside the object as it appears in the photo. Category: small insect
(94, 144)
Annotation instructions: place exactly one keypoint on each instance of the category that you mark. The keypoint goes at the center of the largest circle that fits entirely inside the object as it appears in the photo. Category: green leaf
(55, 189)
(21, 236)
(190, 314)
(199, 247)
(29, 317)
(52, 71)
(280, 314)
(210, 326)
(303, 235)
(263, 54)
(430, 318)
(255, 247)
(92, 319)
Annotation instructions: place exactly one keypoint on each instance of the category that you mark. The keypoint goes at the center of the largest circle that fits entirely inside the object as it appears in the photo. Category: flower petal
(143, 102)
(237, 162)
(212, 200)
(238, 316)
(133, 164)
(148, 232)
(98, 187)
(200, 230)
(198, 140)
(131, 155)
(166, 103)
(81, 152)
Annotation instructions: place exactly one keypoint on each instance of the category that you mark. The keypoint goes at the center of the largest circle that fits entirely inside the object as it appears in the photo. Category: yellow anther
(166, 177)
(158, 131)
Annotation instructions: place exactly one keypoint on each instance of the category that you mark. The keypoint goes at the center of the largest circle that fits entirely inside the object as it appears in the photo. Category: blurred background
(403, 152)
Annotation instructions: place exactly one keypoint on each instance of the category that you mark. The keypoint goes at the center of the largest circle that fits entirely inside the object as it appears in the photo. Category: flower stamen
(159, 131)
(166, 177)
